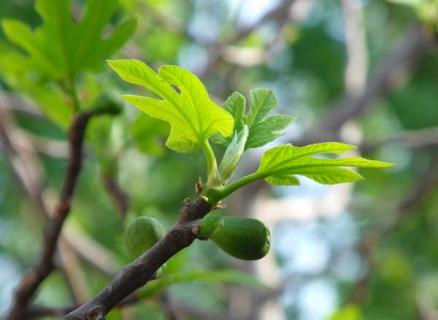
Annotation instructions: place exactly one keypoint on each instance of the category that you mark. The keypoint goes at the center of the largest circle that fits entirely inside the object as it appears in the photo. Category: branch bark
(34, 277)
(142, 270)
(25, 167)
(119, 197)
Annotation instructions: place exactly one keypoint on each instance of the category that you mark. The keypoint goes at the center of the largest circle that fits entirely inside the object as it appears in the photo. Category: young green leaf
(262, 129)
(267, 130)
(232, 155)
(62, 47)
(280, 165)
(185, 103)
(236, 104)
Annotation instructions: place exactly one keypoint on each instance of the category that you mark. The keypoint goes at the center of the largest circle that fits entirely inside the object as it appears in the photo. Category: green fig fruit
(142, 233)
(240, 237)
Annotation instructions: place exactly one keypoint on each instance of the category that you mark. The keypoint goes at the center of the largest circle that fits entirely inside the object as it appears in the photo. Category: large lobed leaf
(47, 96)
(262, 129)
(280, 165)
(184, 103)
(62, 47)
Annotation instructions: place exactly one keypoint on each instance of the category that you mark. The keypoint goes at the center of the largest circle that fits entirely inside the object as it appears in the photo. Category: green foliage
(185, 103)
(62, 47)
(262, 129)
(220, 276)
(349, 312)
(280, 165)
(427, 10)
(49, 59)
(48, 97)
(193, 117)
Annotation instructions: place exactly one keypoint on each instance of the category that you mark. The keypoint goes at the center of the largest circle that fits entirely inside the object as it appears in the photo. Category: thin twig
(414, 139)
(168, 307)
(36, 311)
(26, 169)
(119, 197)
(216, 51)
(34, 277)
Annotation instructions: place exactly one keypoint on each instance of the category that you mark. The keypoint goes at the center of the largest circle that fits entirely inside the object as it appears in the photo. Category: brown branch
(142, 270)
(36, 311)
(119, 197)
(26, 169)
(411, 139)
(278, 13)
(167, 305)
(34, 277)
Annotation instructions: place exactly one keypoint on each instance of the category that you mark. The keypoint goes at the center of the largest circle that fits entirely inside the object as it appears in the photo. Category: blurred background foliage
(344, 253)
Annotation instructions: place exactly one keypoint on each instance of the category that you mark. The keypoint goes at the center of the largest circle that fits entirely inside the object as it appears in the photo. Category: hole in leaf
(176, 88)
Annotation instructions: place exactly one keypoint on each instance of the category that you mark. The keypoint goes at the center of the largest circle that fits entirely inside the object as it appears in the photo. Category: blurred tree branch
(403, 57)
(356, 70)
(24, 167)
(414, 139)
(218, 51)
(35, 311)
(34, 277)
(118, 196)
(374, 236)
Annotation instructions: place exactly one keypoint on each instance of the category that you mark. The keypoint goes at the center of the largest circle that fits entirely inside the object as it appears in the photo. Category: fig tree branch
(25, 167)
(143, 269)
(119, 197)
(34, 277)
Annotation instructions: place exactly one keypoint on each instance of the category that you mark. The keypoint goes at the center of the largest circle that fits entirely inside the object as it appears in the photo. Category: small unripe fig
(240, 237)
(142, 233)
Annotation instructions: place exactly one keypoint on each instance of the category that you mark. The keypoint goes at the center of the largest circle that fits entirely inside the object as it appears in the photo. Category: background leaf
(62, 47)
(263, 130)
